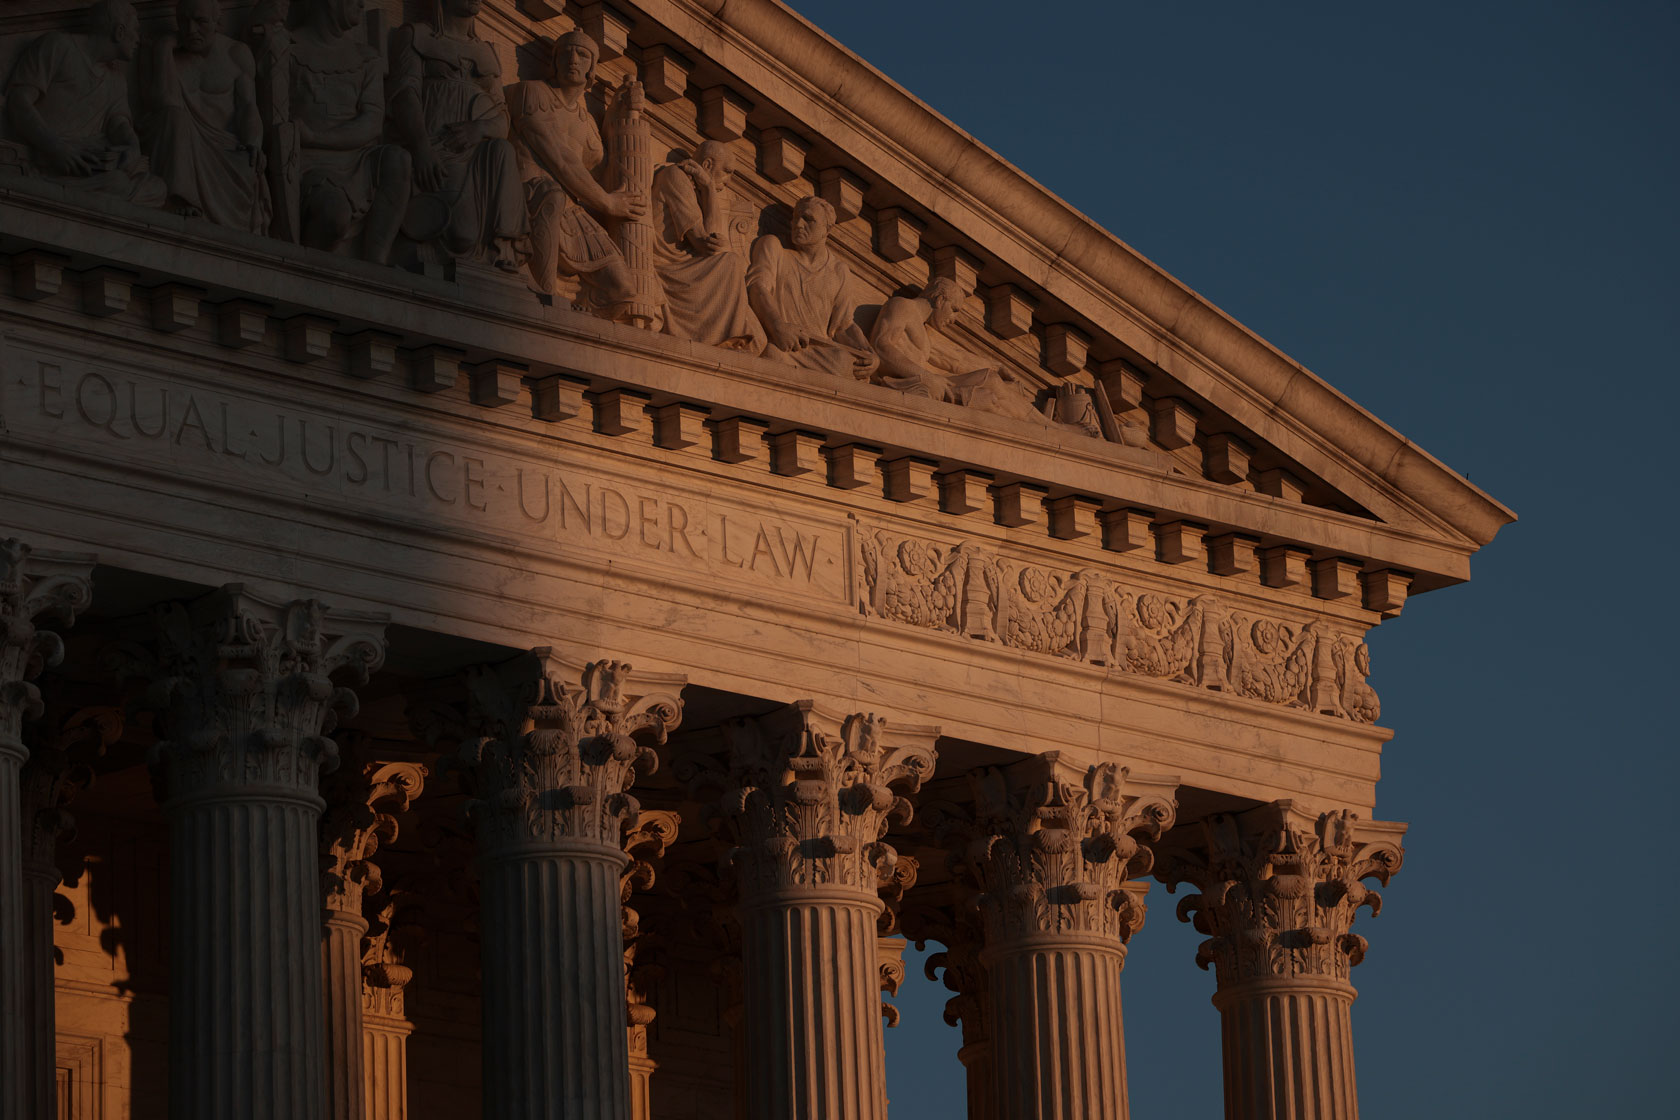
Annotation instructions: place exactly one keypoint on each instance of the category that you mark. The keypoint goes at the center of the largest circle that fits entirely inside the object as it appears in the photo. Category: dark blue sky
(1463, 216)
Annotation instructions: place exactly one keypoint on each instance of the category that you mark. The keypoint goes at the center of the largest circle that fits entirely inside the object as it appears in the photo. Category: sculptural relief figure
(445, 95)
(351, 186)
(559, 149)
(704, 277)
(271, 45)
(67, 102)
(203, 132)
(801, 292)
(904, 336)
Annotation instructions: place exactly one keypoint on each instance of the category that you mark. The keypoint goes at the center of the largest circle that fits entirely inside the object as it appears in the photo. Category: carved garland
(1088, 616)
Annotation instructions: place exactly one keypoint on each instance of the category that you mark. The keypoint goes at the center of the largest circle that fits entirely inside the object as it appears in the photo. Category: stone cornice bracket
(245, 690)
(1052, 846)
(360, 817)
(811, 796)
(1280, 888)
(35, 586)
(550, 764)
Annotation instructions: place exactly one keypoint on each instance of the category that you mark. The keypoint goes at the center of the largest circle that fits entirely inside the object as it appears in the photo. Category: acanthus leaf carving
(64, 747)
(1279, 890)
(1050, 848)
(360, 817)
(35, 587)
(810, 799)
(245, 692)
(549, 762)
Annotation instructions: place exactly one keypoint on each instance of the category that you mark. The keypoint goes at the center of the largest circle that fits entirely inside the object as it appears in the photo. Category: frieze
(169, 422)
(1099, 617)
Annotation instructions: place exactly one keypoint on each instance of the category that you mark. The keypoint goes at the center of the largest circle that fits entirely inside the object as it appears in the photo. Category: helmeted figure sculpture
(446, 107)
(67, 103)
(559, 148)
(802, 294)
(203, 132)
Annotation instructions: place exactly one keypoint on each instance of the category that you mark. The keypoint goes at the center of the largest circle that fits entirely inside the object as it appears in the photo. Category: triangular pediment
(1145, 379)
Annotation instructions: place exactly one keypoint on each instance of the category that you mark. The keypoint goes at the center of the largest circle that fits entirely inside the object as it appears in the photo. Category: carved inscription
(163, 425)
(1088, 615)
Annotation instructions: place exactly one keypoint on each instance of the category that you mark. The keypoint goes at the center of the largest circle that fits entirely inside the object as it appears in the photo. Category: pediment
(1165, 402)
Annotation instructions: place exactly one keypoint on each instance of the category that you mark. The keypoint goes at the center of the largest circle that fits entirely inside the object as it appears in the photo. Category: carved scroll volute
(1051, 847)
(35, 587)
(60, 766)
(1280, 888)
(811, 798)
(645, 842)
(550, 763)
(245, 690)
(361, 816)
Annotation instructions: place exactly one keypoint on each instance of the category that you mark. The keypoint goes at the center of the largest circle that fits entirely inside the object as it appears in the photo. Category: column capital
(549, 763)
(811, 795)
(384, 971)
(1280, 887)
(245, 689)
(360, 816)
(59, 768)
(1052, 845)
(35, 586)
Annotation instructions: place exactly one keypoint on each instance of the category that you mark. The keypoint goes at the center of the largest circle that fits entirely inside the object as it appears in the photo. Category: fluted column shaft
(813, 1007)
(15, 1022)
(40, 881)
(246, 1036)
(1058, 1050)
(1288, 1050)
(385, 1066)
(341, 962)
(554, 1019)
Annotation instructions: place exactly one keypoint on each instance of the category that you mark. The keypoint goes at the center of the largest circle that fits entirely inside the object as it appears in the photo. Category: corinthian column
(246, 700)
(1279, 891)
(33, 586)
(1050, 850)
(811, 799)
(360, 817)
(551, 772)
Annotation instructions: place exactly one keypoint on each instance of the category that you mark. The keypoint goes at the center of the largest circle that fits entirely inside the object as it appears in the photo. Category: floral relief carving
(245, 692)
(1279, 891)
(551, 762)
(1050, 848)
(810, 799)
(1090, 616)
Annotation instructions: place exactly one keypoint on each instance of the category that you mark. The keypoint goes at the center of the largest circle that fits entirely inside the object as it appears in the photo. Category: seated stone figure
(559, 148)
(67, 103)
(904, 337)
(704, 279)
(801, 293)
(445, 96)
(349, 180)
(203, 132)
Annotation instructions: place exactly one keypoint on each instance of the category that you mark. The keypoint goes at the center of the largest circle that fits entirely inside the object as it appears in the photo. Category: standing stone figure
(559, 148)
(271, 43)
(67, 101)
(904, 335)
(801, 293)
(445, 94)
(349, 180)
(704, 278)
(203, 133)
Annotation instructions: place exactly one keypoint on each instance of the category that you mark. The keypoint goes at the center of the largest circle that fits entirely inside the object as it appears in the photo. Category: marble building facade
(542, 544)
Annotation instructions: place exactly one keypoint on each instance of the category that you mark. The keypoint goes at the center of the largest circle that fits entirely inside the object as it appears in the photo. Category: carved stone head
(457, 9)
(944, 297)
(343, 16)
(115, 28)
(572, 65)
(196, 24)
(717, 157)
(812, 219)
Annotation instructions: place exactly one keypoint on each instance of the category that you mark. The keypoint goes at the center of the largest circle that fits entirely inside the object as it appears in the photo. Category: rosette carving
(1279, 890)
(245, 690)
(35, 587)
(551, 763)
(1051, 847)
(810, 798)
(360, 817)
